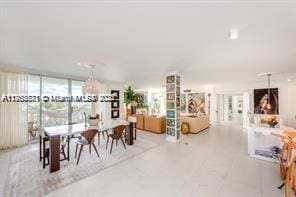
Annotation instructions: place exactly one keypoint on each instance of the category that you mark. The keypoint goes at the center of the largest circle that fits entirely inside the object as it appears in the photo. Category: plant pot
(93, 122)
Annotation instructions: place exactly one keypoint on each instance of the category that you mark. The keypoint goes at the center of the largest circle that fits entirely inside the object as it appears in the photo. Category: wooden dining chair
(87, 138)
(118, 133)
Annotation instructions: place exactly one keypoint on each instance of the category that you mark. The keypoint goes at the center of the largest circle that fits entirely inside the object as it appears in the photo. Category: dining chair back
(118, 134)
(87, 139)
(119, 130)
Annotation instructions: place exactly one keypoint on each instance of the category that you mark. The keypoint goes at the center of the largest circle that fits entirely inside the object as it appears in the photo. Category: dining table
(55, 132)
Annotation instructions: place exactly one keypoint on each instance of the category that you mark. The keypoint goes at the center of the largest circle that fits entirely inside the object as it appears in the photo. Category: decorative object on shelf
(32, 129)
(115, 104)
(173, 107)
(272, 121)
(185, 128)
(94, 120)
(266, 101)
(115, 113)
(91, 86)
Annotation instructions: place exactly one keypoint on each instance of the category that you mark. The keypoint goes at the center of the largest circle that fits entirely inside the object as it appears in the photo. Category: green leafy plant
(129, 95)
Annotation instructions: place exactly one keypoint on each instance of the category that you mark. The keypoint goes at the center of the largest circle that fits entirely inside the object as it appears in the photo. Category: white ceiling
(141, 42)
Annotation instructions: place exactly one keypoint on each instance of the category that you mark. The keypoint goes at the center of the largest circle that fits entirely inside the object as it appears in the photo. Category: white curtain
(13, 115)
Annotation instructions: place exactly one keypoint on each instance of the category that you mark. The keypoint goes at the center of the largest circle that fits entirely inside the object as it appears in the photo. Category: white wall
(287, 97)
(121, 88)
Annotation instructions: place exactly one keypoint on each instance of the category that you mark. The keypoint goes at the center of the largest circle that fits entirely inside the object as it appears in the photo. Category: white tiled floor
(213, 163)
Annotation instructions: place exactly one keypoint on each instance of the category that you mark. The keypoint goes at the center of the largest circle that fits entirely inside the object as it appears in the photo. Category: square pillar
(173, 121)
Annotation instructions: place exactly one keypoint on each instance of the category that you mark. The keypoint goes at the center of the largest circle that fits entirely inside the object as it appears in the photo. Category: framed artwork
(196, 103)
(170, 113)
(178, 101)
(115, 104)
(170, 96)
(171, 122)
(170, 105)
(140, 97)
(183, 103)
(171, 79)
(170, 88)
(115, 113)
(178, 123)
(178, 91)
(171, 131)
(178, 80)
(115, 94)
(261, 101)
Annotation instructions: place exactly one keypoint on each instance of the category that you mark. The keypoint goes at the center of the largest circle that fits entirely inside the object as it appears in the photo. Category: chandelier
(91, 85)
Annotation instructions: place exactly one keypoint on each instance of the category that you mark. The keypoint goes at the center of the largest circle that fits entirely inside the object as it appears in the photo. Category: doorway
(232, 109)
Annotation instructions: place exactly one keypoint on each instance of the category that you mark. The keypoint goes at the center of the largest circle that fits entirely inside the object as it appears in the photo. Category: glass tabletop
(79, 128)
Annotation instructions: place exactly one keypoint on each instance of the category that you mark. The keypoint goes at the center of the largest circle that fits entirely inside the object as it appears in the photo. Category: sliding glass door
(34, 107)
(54, 113)
(78, 108)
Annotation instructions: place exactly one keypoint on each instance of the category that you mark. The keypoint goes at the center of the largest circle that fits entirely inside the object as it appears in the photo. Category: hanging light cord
(269, 75)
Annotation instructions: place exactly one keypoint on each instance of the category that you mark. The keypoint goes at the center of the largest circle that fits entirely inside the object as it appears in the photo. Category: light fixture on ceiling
(268, 106)
(91, 85)
(233, 34)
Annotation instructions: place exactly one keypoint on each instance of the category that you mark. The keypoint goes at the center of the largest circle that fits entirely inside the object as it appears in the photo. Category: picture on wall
(170, 105)
(140, 97)
(171, 79)
(170, 96)
(261, 101)
(178, 80)
(115, 94)
(170, 88)
(196, 103)
(178, 91)
(115, 104)
(171, 122)
(171, 131)
(178, 101)
(170, 113)
(115, 113)
(183, 103)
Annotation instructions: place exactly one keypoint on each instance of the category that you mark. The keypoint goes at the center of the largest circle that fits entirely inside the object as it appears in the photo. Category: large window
(55, 113)
(34, 107)
(78, 108)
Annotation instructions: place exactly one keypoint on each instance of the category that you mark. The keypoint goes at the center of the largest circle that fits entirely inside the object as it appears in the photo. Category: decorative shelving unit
(173, 120)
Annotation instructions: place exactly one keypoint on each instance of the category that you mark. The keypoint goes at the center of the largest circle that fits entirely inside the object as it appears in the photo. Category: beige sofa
(196, 123)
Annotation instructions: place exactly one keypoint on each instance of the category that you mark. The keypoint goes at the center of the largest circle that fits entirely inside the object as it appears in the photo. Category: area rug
(26, 177)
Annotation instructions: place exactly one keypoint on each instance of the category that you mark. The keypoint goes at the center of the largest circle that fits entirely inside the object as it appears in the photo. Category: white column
(173, 120)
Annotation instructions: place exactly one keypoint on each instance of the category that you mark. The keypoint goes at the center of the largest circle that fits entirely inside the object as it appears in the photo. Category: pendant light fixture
(91, 85)
(268, 101)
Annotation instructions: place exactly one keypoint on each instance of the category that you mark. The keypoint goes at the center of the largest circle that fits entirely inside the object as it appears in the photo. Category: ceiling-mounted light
(91, 85)
(233, 34)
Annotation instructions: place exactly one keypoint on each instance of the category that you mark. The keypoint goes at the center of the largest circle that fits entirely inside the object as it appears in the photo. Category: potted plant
(129, 99)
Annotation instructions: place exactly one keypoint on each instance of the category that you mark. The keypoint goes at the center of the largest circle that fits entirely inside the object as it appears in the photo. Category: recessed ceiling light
(233, 34)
